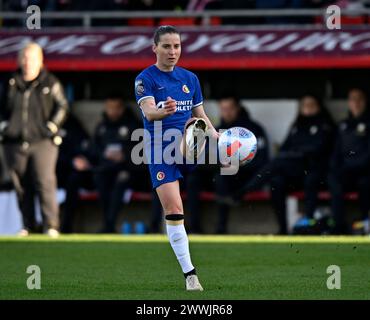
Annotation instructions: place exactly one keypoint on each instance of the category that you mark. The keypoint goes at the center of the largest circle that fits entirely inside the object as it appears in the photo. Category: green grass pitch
(144, 267)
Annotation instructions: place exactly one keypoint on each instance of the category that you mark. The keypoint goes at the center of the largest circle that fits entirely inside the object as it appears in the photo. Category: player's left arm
(199, 112)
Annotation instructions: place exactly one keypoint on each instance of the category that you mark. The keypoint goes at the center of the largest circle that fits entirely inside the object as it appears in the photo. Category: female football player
(170, 98)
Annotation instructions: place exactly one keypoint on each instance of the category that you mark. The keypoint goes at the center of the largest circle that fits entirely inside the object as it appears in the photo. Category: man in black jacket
(109, 160)
(350, 163)
(76, 142)
(302, 161)
(30, 117)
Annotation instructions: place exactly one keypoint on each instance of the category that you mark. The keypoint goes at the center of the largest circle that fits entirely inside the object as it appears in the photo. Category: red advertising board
(221, 48)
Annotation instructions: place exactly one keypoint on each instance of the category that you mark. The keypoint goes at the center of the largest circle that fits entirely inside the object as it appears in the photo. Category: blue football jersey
(182, 86)
(179, 84)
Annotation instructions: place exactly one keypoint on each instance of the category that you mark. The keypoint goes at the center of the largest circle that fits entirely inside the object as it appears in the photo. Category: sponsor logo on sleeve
(139, 87)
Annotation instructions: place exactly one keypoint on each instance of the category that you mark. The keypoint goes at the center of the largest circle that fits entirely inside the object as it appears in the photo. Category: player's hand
(215, 134)
(169, 106)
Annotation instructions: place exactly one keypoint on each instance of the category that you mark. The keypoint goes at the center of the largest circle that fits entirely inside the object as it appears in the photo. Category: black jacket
(110, 133)
(28, 106)
(352, 148)
(309, 142)
(243, 120)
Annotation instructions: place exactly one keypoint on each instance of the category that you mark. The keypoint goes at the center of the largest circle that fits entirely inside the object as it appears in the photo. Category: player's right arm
(152, 113)
(145, 93)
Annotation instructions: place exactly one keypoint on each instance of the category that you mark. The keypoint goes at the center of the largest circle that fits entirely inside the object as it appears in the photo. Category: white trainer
(23, 233)
(193, 284)
(195, 137)
(53, 233)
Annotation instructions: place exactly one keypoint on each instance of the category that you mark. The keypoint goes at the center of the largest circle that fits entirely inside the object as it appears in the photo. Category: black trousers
(282, 184)
(226, 186)
(32, 169)
(111, 185)
(348, 180)
(285, 176)
(73, 182)
(157, 213)
(196, 181)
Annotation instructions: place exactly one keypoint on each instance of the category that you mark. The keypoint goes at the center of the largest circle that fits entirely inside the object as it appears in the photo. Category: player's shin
(179, 241)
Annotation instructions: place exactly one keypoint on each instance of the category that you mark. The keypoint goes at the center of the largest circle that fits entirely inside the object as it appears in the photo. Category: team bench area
(258, 219)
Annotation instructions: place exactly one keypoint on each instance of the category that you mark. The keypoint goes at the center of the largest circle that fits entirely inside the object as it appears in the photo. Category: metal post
(86, 21)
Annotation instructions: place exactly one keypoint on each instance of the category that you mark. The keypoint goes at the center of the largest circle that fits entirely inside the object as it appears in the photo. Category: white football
(237, 144)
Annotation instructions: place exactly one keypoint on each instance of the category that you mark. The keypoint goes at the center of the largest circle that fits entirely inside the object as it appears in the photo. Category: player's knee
(172, 209)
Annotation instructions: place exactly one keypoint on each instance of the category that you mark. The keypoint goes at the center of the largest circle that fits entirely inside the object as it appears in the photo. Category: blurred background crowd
(178, 6)
(137, 5)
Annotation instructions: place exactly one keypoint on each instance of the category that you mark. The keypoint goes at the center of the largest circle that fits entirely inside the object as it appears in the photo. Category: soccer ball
(237, 145)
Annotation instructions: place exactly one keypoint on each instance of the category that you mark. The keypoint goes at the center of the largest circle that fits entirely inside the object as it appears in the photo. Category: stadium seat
(141, 22)
(178, 21)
